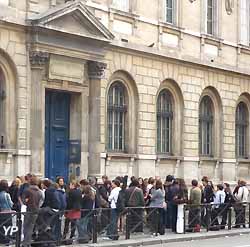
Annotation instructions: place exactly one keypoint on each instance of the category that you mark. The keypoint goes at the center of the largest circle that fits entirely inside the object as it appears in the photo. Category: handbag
(73, 214)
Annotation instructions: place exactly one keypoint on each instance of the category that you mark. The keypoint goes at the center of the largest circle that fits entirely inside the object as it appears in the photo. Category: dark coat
(51, 198)
(74, 199)
(62, 198)
(134, 197)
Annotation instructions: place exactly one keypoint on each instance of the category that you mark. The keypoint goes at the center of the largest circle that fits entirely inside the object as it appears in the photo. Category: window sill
(243, 160)
(168, 157)
(209, 158)
(170, 26)
(125, 14)
(211, 39)
(244, 49)
(120, 155)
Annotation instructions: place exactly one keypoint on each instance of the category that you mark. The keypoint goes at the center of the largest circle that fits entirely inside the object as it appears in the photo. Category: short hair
(220, 186)
(4, 186)
(194, 182)
(84, 182)
(34, 180)
(205, 179)
(116, 182)
(47, 183)
(105, 177)
(169, 178)
(92, 180)
(151, 180)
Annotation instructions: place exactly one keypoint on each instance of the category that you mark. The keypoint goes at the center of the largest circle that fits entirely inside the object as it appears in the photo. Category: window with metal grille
(241, 129)
(206, 125)
(170, 11)
(116, 113)
(164, 122)
(122, 5)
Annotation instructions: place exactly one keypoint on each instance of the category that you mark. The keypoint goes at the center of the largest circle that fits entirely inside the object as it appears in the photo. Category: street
(237, 241)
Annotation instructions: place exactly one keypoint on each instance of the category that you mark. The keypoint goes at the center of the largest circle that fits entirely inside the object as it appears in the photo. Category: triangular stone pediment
(73, 18)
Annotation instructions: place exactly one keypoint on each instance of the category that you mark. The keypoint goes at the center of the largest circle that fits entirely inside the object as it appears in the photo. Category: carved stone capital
(96, 69)
(38, 58)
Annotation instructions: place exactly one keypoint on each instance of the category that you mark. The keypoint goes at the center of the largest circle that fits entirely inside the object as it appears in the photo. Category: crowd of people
(46, 203)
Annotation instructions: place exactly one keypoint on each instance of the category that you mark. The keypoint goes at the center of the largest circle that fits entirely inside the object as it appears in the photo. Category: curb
(163, 240)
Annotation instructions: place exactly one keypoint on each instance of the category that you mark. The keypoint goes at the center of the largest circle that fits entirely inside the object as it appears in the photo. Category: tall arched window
(241, 129)
(164, 122)
(116, 116)
(206, 125)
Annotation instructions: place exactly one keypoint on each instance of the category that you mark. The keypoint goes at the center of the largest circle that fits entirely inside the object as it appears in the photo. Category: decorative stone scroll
(229, 4)
(96, 69)
(38, 58)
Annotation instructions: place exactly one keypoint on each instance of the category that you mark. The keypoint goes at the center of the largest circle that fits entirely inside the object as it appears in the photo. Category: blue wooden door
(56, 134)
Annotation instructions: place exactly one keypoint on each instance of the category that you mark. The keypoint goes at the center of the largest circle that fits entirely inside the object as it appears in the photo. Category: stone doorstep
(168, 238)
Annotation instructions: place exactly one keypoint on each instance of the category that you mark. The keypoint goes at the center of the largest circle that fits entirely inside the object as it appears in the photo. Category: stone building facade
(116, 87)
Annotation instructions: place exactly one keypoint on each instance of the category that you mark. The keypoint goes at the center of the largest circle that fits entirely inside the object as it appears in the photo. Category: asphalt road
(238, 241)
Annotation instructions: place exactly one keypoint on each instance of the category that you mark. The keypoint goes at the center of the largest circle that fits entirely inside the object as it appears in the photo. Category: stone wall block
(5, 37)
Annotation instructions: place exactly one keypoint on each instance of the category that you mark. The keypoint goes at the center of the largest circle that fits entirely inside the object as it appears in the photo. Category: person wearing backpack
(112, 232)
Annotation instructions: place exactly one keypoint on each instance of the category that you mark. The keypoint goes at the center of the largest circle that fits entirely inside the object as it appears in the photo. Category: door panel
(57, 134)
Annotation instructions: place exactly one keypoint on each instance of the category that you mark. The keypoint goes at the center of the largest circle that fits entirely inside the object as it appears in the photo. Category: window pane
(206, 126)
(241, 130)
(164, 122)
(116, 117)
(170, 11)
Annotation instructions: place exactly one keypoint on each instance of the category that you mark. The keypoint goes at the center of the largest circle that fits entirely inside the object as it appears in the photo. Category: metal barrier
(52, 227)
(212, 217)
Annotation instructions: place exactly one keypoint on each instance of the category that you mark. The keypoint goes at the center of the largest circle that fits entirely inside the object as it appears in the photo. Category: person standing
(6, 205)
(134, 198)
(242, 199)
(219, 199)
(33, 199)
(112, 232)
(157, 202)
(194, 211)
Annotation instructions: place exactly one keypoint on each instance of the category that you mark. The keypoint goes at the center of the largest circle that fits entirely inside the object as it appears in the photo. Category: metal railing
(68, 227)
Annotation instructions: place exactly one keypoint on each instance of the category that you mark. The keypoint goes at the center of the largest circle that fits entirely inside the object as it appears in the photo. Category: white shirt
(114, 196)
(219, 197)
(242, 194)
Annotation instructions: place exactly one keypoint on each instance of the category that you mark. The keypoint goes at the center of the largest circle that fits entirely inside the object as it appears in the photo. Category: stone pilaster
(96, 72)
(38, 61)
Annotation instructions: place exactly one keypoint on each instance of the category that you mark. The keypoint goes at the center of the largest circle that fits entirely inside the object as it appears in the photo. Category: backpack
(120, 204)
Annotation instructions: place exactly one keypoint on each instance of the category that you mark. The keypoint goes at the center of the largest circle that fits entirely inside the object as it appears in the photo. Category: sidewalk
(169, 237)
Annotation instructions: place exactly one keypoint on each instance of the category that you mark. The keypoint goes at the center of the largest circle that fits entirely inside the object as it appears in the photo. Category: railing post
(208, 216)
(19, 227)
(157, 220)
(249, 215)
(94, 227)
(230, 218)
(128, 223)
(184, 218)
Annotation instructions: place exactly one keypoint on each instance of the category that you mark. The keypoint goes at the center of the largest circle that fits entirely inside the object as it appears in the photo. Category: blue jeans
(112, 228)
(83, 228)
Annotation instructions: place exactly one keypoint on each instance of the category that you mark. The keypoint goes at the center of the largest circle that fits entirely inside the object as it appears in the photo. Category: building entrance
(57, 108)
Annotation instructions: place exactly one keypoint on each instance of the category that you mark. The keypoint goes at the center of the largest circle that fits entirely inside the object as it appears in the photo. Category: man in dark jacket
(32, 198)
(134, 198)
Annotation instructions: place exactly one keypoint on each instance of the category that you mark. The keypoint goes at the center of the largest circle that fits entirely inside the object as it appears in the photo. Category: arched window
(164, 122)
(206, 125)
(241, 129)
(117, 109)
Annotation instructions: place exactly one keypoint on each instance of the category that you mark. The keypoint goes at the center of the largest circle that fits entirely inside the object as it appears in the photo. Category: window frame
(119, 5)
(116, 142)
(206, 126)
(174, 12)
(241, 125)
(214, 17)
(164, 118)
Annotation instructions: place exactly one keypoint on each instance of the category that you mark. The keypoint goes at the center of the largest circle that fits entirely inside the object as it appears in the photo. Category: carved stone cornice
(96, 70)
(38, 58)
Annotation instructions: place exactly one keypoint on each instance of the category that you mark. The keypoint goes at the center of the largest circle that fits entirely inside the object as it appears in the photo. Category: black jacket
(51, 198)
(74, 199)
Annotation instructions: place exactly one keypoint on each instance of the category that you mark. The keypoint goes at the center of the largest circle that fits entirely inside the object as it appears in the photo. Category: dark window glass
(116, 117)
(164, 122)
(206, 121)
